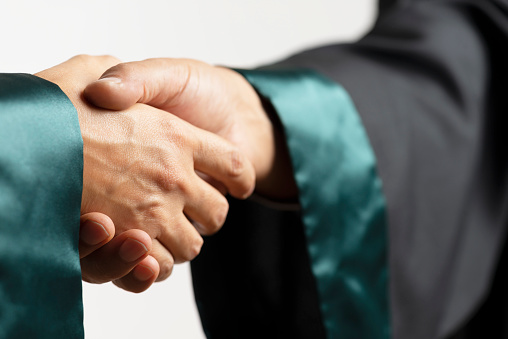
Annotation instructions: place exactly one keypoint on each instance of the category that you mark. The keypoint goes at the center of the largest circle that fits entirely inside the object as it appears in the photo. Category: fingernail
(132, 250)
(143, 273)
(111, 79)
(93, 233)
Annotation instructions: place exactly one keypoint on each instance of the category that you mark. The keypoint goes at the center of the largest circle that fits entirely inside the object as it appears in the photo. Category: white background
(242, 33)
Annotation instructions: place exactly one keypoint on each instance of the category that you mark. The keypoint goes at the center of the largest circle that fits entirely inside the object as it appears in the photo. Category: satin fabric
(343, 207)
(429, 82)
(41, 166)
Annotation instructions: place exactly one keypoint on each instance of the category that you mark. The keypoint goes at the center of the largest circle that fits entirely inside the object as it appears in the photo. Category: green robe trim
(41, 168)
(344, 209)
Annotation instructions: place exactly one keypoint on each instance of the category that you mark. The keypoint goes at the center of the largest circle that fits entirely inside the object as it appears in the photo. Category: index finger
(224, 162)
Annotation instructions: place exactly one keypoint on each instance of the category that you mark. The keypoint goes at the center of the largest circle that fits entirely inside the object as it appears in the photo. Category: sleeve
(396, 150)
(41, 165)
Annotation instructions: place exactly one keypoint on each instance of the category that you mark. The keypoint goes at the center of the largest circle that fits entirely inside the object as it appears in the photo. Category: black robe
(430, 84)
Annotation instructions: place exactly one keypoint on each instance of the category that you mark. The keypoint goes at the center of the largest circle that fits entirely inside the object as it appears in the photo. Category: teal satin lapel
(344, 210)
(41, 166)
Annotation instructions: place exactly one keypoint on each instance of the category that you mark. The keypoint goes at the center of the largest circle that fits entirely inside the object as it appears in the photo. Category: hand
(105, 259)
(139, 168)
(216, 99)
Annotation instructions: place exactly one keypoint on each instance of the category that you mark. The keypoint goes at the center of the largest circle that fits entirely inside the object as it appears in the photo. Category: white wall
(242, 33)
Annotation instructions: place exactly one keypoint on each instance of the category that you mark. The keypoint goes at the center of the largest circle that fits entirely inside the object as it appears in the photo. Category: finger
(219, 186)
(117, 258)
(210, 219)
(223, 161)
(164, 258)
(157, 82)
(96, 229)
(141, 277)
(182, 239)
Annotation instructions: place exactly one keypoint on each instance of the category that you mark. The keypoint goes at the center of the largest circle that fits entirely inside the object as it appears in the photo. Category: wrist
(276, 181)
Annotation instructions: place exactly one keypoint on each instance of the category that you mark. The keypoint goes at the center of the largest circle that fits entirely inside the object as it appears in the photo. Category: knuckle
(175, 131)
(242, 173)
(109, 59)
(220, 214)
(194, 249)
(82, 57)
(216, 217)
(174, 134)
(98, 61)
(152, 216)
(171, 180)
(166, 268)
(236, 163)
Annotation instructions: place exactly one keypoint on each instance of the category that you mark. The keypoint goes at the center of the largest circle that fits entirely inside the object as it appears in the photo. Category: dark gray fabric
(385, 5)
(492, 317)
(430, 84)
(253, 278)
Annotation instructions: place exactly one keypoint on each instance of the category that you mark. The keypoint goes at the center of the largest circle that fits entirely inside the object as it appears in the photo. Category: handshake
(164, 140)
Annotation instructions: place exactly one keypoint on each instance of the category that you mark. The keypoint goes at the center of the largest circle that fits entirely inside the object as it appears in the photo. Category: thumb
(157, 82)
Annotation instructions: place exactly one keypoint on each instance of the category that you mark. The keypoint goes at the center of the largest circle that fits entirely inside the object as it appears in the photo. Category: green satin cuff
(41, 167)
(344, 210)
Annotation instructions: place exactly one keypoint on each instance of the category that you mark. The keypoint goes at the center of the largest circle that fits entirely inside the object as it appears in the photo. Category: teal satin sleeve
(344, 210)
(41, 166)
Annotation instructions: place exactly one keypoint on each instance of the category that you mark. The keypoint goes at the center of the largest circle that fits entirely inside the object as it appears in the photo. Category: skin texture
(216, 99)
(140, 169)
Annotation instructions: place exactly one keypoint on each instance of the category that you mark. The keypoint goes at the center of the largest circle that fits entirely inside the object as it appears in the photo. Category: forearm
(40, 185)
